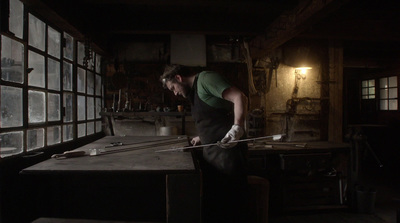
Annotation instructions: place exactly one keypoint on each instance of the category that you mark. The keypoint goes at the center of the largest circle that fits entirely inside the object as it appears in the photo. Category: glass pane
(11, 143)
(392, 104)
(372, 96)
(384, 93)
(98, 126)
(68, 100)
(53, 135)
(383, 83)
(16, 19)
(53, 108)
(69, 47)
(81, 130)
(393, 81)
(90, 108)
(35, 139)
(11, 107)
(383, 105)
(364, 96)
(12, 60)
(98, 85)
(81, 80)
(81, 53)
(68, 132)
(371, 83)
(392, 92)
(90, 83)
(36, 106)
(67, 76)
(98, 107)
(364, 91)
(54, 42)
(364, 83)
(90, 128)
(91, 63)
(53, 74)
(98, 63)
(371, 90)
(36, 76)
(37, 31)
(81, 108)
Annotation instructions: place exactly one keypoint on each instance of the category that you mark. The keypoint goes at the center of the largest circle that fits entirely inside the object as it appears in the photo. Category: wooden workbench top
(140, 156)
(298, 147)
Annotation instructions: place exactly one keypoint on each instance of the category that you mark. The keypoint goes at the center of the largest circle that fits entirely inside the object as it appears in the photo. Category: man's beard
(186, 91)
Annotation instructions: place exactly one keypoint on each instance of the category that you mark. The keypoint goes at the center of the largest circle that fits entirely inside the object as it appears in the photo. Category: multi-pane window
(368, 89)
(89, 91)
(45, 98)
(388, 92)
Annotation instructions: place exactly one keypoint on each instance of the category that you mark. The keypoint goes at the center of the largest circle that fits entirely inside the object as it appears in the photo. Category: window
(368, 89)
(388, 93)
(89, 91)
(52, 98)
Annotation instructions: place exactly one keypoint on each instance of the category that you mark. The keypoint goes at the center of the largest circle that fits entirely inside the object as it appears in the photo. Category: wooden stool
(258, 199)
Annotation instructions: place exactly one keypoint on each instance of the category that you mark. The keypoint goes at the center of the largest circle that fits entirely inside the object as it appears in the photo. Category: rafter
(291, 24)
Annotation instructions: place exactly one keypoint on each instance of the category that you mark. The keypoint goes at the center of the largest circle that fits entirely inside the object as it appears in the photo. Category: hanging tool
(247, 56)
(274, 66)
(269, 72)
(180, 149)
(69, 154)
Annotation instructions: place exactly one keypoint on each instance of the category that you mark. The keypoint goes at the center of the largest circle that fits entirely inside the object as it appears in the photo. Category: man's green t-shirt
(210, 86)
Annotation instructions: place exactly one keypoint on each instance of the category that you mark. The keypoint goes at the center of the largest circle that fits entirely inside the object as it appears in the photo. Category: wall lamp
(300, 72)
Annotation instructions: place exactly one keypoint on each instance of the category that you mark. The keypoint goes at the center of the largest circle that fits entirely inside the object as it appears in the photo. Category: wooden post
(335, 129)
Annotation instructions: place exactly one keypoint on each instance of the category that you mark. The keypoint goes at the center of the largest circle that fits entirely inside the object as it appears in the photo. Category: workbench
(303, 175)
(111, 116)
(133, 182)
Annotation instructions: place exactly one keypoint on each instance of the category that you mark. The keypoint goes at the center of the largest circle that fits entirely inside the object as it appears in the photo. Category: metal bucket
(365, 200)
(168, 131)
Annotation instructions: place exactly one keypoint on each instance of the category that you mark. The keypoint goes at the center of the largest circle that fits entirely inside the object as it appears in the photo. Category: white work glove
(195, 141)
(235, 133)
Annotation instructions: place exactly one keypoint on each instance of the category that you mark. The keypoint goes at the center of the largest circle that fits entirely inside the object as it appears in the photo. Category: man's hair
(171, 70)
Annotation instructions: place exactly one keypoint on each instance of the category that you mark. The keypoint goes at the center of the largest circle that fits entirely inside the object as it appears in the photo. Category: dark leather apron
(212, 124)
(224, 175)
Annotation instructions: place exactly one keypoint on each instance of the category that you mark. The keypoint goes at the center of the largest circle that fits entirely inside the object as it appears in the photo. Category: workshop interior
(88, 133)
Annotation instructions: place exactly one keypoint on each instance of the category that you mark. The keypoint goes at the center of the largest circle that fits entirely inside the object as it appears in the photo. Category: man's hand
(195, 141)
(235, 133)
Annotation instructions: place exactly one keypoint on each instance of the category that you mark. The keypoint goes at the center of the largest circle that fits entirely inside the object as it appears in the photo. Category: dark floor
(387, 202)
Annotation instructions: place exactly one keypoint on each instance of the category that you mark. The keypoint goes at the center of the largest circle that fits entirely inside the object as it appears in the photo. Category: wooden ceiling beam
(290, 24)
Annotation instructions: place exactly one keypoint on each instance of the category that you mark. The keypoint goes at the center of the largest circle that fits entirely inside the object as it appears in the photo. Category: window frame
(26, 87)
(388, 98)
(368, 95)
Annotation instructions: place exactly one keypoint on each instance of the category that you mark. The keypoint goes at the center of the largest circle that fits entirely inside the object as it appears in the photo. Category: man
(219, 111)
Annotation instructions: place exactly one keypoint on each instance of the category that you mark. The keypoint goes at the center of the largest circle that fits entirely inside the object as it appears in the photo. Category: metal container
(168, 130)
